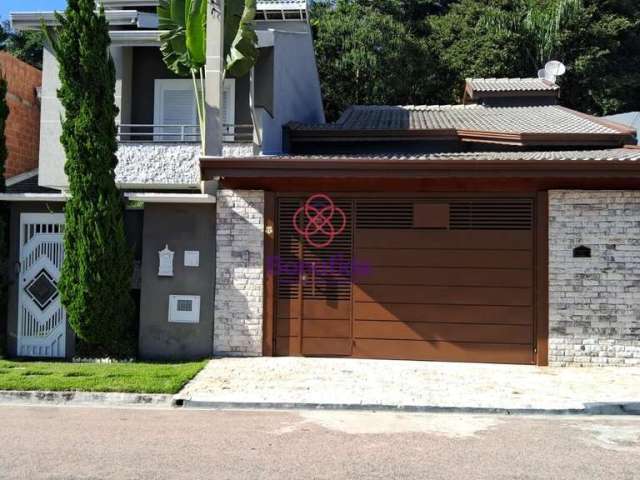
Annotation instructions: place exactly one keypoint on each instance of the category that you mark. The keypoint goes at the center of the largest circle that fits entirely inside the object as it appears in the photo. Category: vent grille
(491, 215)
(384, 214)
(288, 280)
(326, 272)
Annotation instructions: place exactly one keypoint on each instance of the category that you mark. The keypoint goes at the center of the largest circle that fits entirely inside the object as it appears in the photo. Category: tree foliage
(96, 273)
(184, 45)
(240, 40)
(27, 46)
(598, 40)
(366, 56)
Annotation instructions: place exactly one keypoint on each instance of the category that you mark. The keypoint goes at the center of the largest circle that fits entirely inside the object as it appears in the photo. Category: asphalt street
(118, 443)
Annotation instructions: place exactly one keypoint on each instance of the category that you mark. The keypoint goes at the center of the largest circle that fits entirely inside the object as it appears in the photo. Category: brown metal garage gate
(447, 279)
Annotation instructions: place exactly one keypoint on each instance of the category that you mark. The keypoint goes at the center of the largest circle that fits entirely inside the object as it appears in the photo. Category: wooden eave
(367, 167)
(624, 136)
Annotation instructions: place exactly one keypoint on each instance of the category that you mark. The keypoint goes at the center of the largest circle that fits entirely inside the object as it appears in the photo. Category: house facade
(503, 230)
(171, 210)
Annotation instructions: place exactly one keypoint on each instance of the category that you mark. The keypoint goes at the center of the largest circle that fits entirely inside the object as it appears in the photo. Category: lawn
(94, 377)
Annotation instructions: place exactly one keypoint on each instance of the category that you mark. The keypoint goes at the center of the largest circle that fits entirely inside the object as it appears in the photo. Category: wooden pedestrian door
(41, 318)
(447, 279)
(314, 284)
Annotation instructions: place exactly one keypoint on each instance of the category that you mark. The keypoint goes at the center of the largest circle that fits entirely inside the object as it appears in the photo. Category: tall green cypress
(96, 274)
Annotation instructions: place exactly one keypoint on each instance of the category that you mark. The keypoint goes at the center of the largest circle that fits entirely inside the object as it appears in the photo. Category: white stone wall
(594, 303)
(160, 164)
(239, 273)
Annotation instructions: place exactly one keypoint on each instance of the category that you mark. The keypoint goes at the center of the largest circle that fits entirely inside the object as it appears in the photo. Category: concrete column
(213, 74)
(123, 61)
(52, 156)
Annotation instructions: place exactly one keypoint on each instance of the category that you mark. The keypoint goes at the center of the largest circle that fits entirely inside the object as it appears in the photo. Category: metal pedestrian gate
(41, 318)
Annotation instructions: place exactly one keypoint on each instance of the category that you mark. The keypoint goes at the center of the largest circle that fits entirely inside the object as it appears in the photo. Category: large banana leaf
(183, 46)
(196, 34)
(240, 40)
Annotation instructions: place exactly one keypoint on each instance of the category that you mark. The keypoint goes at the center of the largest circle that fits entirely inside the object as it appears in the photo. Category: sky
(7, 6)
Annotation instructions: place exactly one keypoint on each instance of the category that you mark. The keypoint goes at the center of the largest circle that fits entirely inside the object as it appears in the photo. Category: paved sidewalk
(353, 383)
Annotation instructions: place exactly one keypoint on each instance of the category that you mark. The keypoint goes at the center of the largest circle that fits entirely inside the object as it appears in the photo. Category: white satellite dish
(555, 68)
(542, 74)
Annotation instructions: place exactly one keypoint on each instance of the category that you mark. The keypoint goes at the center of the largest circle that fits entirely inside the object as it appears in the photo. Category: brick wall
(239, 273)
(23, 125)
(594, 303)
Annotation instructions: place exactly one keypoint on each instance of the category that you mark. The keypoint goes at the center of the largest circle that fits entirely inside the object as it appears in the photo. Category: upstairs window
(176, 116)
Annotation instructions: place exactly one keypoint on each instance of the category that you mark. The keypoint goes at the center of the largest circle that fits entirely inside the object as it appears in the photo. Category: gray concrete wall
(181, 227)
(16, 209)
(52, 157)
(123, 61)
(297, 94)
(283, 26)
(594, 303)
(148, 66)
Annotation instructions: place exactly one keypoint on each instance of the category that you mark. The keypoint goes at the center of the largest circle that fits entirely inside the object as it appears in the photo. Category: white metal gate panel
(42, 321)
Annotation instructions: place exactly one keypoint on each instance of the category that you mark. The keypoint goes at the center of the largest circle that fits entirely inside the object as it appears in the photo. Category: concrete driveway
(353, 382)
(105, 443)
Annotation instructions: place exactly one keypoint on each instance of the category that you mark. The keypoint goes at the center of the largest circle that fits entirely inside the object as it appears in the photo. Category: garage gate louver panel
(449, 280)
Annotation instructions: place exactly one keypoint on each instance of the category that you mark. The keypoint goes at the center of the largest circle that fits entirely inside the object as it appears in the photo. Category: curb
(588, 409)
(16, 397)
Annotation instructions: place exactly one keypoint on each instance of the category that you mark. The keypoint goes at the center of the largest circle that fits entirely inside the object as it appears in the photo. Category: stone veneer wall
(158, 164)
(594, 303)
(239, 273)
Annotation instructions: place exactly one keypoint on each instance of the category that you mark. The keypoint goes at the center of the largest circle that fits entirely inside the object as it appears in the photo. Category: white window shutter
(228, 109)
(175, 111)
(178, 107)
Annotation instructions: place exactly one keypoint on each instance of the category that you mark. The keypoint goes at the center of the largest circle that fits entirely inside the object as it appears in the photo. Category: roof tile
(626, 155)
(551, 119)
(511, 85)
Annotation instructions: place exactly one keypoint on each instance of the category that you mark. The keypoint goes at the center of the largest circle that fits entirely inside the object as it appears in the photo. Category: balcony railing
(148, 133)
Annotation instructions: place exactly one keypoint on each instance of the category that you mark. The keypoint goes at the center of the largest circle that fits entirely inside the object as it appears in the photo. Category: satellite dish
(555, 68)
(542, 74)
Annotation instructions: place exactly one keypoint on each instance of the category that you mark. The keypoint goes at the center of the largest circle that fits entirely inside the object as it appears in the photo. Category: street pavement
(127, 443)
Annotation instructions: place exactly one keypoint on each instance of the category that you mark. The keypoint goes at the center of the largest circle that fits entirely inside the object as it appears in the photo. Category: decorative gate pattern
(41, 317)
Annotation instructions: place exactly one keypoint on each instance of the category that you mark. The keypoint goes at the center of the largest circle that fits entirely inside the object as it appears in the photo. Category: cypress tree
(96, 273)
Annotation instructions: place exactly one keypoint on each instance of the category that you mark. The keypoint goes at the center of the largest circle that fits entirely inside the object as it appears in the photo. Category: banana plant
(184, 43)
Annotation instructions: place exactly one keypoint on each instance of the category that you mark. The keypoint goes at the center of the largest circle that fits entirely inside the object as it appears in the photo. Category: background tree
(598, 40)
(27, 46)
(96, 273)
(368, 57)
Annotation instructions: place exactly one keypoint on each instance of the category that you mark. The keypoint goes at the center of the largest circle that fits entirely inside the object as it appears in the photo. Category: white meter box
(184, 308)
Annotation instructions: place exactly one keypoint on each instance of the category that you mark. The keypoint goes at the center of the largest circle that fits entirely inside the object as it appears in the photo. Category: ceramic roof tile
(511, 85)
(608, 155)
(550, 119)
